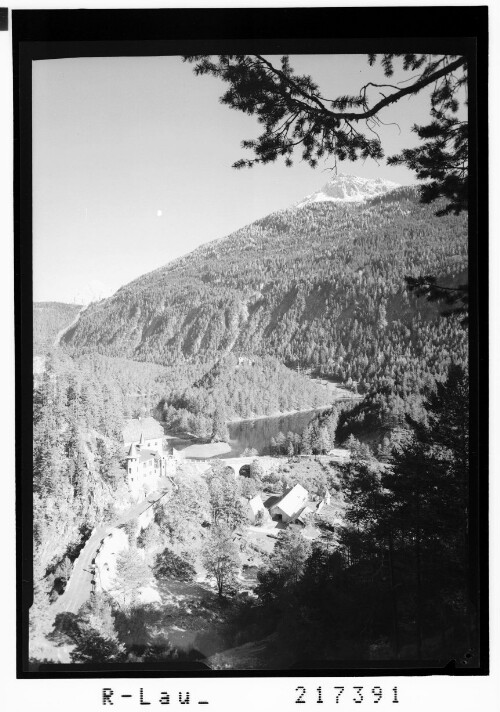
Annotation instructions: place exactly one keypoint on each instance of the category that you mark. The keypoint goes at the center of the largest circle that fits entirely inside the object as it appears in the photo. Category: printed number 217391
(339, 693)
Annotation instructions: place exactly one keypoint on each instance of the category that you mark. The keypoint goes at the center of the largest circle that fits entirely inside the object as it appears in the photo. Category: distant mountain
(48, 320)
(92, 291)
(349, 189)
(320, 286)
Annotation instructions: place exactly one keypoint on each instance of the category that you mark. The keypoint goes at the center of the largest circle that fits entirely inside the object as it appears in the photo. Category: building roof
(272, 501)
(146, 455)
(147, 427)
(293, 500)
(302, 515)
(132, 450)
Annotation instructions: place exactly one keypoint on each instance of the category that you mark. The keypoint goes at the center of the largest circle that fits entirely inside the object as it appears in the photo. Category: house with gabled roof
(252, 508)
(289, 507)
(305, 514)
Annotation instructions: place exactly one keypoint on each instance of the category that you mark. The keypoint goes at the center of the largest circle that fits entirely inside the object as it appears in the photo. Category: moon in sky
(159, 213)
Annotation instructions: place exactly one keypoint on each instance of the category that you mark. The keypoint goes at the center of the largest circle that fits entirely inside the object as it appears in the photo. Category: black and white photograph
(255, 323)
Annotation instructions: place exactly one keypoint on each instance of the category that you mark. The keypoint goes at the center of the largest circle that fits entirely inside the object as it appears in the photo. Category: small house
(253, 507)
(304, 516)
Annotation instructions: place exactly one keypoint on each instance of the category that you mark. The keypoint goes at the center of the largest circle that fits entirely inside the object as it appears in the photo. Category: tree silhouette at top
(296, 117)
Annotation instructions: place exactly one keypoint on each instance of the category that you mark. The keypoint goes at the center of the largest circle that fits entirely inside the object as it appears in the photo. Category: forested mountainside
(234, 387)
(239, 387)
(179, 395)
(321, 286)
(48, 320)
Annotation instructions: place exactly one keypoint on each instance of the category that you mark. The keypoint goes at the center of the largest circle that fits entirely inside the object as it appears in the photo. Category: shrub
(259, 518)
(170, 565)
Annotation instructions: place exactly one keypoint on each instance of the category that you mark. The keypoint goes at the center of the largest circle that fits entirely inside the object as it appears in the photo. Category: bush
(170, 565)
(256, 470)
(248, 487)
(259, 518)
(92, 647)
(271, 479)
(68, 624)
(150, 537)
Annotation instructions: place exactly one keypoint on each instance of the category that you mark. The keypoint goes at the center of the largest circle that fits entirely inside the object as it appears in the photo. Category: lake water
(255, 433)
(258, 433)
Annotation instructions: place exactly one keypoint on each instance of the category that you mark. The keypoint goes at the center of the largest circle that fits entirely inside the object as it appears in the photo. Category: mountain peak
(347, 188)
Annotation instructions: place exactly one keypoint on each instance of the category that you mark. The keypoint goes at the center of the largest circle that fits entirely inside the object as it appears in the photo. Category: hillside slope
(320, 285)
(48, 320)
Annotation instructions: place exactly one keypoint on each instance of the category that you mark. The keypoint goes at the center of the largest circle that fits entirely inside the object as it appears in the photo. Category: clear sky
(132, 164)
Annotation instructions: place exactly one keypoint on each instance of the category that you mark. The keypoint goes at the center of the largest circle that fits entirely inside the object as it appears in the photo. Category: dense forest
(394, 580)
(241, 388)
(48, 320)
(187, 395)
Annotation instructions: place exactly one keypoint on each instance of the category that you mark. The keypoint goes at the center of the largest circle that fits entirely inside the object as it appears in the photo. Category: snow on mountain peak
(92, 291)
(349, 189)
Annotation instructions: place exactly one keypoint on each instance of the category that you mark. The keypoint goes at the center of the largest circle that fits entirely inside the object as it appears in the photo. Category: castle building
(147, 463)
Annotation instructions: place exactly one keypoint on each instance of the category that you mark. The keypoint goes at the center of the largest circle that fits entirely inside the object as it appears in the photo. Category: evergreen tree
(429, 493)
(93, 647)
(220, 433)
(281, 444)
(321, 442)
(284, 569)
(296, 117)
(40, 616)
(411, 517)
(331, 423)
(307, 440)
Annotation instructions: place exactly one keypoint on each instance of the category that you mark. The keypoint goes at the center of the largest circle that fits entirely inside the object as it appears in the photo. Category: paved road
(79, 586)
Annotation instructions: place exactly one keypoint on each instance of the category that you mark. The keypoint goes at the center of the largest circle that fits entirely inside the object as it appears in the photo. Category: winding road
(79, 586)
